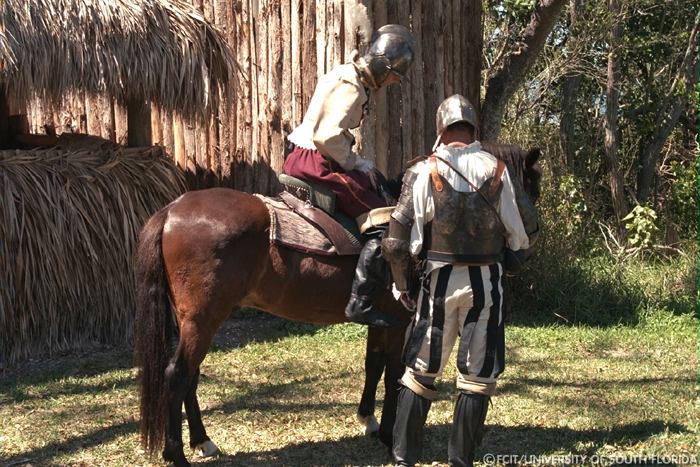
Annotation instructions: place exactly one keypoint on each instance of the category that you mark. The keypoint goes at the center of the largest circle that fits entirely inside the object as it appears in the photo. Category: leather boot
(411, 413)
(370, 276)
(467, 428)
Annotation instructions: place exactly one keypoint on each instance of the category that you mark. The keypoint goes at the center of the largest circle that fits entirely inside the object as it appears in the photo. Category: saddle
(303, 217)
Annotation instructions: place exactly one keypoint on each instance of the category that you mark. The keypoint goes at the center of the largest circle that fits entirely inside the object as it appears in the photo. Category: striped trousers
(459, 301)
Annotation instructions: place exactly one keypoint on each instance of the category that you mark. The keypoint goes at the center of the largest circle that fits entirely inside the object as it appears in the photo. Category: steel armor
(466, 227)
(395, 245)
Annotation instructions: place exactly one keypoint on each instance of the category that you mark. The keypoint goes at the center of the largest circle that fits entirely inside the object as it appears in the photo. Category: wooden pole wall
(283, 47)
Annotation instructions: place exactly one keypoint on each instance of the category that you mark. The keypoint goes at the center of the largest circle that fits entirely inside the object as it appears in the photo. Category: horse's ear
(532, 157)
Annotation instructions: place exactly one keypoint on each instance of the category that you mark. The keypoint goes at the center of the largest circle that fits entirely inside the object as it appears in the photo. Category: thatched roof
(158, 50)
(69, 221)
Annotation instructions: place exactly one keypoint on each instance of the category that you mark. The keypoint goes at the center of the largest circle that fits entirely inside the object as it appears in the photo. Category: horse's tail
(153, 331)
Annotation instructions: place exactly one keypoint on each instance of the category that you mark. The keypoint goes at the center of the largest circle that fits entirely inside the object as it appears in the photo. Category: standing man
(322, 151)
(458, 212)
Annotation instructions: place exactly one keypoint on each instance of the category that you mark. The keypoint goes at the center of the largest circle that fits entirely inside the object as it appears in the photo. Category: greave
(370, 276)
(412, 411)
(467, 428)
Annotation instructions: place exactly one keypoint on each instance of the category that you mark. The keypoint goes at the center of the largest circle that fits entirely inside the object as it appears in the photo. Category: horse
(208, 253)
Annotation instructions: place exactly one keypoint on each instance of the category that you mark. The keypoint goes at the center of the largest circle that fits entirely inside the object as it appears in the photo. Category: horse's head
(522, 165)
(532, 173)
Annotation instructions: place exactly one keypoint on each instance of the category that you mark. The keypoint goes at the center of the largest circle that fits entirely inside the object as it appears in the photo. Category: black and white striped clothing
(465, 302)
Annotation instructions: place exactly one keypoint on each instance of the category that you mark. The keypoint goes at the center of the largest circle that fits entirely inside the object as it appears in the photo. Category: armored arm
(395, 245)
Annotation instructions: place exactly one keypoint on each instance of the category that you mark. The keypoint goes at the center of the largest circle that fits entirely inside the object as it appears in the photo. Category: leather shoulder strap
(496, 181)
(434, 175)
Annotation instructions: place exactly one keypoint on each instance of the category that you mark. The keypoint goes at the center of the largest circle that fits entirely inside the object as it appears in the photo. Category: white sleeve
(341, 110)
(516, 237)
(423, 208)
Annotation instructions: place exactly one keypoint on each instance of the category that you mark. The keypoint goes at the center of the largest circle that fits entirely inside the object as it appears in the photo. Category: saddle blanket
(289, 229)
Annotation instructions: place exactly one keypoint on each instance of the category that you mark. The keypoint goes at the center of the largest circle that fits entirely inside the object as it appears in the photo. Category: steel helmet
(392, 49)
(454, 109)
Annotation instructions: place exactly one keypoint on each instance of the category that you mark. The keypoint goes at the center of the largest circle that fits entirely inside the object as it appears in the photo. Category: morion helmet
(392, 49)
(454, 109)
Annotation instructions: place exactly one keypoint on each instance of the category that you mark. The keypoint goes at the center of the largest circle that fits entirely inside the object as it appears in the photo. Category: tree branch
(668, 115)
(503, 84)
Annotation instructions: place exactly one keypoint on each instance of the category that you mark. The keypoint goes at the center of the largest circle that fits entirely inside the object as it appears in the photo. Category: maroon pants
(353, 189)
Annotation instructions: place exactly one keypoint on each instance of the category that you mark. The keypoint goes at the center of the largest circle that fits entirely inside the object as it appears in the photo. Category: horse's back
(218, 209)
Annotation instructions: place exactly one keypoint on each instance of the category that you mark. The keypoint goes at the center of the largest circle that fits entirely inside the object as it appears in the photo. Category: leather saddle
(316, 205)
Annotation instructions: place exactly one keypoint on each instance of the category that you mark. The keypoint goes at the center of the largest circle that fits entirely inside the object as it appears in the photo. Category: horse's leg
(374, 367)
(177, 382)
(393, 350)
(199, 441)
(182, 376)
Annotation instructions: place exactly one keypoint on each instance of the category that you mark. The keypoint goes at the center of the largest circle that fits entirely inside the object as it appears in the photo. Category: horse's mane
(508, 153)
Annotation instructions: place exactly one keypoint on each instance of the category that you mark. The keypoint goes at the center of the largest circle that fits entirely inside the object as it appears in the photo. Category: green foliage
(572, 202)
(518, 8)
(682, 202)
(641, 226)
(566, 284)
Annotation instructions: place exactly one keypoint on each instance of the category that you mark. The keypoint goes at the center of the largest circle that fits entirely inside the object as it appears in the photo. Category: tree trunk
(570, 87)
(502, 85)
(611, 108)
(668, 116)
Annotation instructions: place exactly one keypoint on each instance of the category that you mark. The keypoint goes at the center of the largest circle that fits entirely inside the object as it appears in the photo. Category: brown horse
(207, 253)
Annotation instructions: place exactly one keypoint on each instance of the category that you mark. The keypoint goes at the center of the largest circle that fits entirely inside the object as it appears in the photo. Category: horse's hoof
(369, 424)
(206, 449)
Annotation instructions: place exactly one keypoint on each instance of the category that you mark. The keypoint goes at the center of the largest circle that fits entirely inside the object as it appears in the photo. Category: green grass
(278, 393)
(601, 360)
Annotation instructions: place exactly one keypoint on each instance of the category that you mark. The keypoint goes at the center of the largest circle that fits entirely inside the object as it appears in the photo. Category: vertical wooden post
(308, 53)
(471, 49)
(274, 109)
(156, 128)
(138, 116)
(406, 90)
(179, 142)
(417, 92)
(380, 98)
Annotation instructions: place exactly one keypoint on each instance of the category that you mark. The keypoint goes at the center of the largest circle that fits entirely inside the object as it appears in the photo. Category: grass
(278, 393)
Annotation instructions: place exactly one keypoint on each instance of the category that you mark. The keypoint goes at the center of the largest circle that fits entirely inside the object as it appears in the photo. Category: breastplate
(466, 227)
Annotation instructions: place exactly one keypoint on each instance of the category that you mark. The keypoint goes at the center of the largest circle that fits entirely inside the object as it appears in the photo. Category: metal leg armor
(411, 413)
(370, 277)
(467, 428)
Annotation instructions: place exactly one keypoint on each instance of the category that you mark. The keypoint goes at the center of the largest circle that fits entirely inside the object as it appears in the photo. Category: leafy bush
(641, 226)
(682, 202)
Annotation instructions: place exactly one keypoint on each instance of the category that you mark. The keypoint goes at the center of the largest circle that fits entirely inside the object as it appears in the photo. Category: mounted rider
(321, 151)
(458, 213)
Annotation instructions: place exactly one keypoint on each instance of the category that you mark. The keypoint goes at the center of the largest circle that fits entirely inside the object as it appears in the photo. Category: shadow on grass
(49, 451)
(523, 385)
(242, 328)
(500, 440)
(248, 325)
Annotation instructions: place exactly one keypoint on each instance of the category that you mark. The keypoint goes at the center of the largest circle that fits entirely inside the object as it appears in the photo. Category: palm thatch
(69, 220)
(163, 51)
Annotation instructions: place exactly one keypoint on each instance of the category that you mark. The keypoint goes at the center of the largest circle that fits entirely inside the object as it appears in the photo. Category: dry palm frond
(163, 51)
(69, 220)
